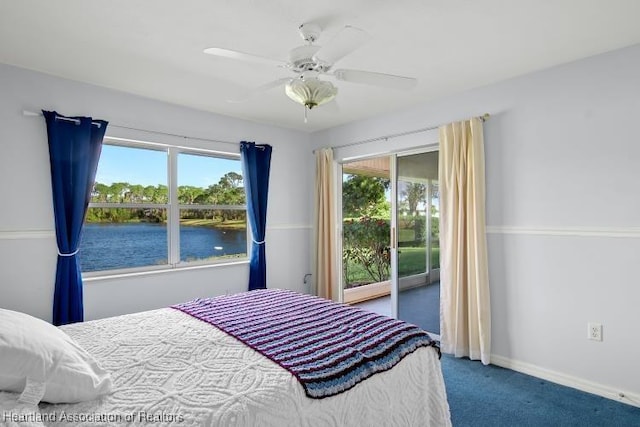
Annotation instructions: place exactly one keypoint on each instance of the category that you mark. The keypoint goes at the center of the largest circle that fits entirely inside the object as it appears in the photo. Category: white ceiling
(154, 47)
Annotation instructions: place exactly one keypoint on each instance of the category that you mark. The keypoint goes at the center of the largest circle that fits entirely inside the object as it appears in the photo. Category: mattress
(170, 369)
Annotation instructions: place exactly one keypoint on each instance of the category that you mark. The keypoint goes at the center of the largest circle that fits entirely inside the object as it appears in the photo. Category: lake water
(110, 246)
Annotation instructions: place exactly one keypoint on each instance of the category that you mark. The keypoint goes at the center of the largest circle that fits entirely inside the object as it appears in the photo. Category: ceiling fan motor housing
(301, 59)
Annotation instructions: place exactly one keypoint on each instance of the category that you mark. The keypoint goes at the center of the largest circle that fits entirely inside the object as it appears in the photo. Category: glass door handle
(393, 237)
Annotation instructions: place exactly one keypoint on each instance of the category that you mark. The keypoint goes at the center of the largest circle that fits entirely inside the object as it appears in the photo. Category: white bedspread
(170, 369)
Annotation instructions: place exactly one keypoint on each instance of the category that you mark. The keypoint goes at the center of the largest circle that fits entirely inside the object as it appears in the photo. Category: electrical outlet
(594, 331)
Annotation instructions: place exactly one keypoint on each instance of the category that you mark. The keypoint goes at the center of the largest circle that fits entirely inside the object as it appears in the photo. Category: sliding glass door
(390, 237)
(366, 234)
(417, 234)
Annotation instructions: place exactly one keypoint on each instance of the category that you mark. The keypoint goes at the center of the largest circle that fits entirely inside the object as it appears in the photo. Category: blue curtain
(74, 149)
(256, 161)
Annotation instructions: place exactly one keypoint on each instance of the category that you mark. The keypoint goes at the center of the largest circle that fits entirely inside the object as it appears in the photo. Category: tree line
(228, 191)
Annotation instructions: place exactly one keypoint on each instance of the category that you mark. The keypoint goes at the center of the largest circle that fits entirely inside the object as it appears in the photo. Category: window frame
(173, 209)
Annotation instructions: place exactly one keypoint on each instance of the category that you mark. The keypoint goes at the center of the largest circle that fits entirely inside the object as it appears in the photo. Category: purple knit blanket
(328, 347)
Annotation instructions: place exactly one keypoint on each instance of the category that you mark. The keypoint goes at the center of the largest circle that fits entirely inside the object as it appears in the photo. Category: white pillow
(45, 364)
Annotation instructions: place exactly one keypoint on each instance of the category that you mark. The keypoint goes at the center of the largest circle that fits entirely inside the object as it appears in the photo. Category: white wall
(27, 242)
(563, 206)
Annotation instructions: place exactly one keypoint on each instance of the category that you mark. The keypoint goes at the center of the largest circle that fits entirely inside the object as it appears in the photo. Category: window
(213, 218)
(155, 206)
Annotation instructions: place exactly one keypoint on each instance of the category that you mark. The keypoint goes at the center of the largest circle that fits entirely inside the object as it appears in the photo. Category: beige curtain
(324, 226)
(465, 313)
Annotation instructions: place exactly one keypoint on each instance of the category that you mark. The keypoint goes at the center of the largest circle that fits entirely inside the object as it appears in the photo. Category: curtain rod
(34, 114)
(484, 118)
(68, 119)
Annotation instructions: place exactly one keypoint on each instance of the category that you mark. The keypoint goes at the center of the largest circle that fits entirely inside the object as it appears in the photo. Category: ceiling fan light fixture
(310, 92)
(310, 61)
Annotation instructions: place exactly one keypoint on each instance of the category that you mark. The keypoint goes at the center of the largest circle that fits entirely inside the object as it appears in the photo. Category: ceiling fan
(308, 62)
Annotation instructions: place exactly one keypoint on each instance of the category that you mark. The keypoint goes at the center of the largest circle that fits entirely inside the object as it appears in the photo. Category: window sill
(90, 278)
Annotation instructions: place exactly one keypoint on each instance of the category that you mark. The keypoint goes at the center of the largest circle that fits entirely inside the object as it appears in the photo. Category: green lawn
(406, 235)
(357, 275)
(411, 261)
(236, 224)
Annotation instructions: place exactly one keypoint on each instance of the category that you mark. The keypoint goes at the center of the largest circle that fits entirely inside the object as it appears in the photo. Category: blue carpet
(491, 396)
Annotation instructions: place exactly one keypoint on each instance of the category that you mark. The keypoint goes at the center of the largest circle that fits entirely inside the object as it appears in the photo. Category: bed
(171, 368)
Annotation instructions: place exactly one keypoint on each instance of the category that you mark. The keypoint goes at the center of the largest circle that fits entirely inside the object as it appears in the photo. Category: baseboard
(632, 399)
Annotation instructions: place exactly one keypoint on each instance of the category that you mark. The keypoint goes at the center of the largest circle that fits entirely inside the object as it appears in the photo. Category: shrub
(366, 244)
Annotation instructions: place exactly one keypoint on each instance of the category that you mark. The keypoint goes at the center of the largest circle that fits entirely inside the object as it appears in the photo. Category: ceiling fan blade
(346, 41)
(241, 56)
(247, 95)
(376, 79)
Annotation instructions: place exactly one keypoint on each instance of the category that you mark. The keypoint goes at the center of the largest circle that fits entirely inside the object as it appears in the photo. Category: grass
(358, 275)
(406, 235)
(411, 261)
(237, 224)
(217, 258)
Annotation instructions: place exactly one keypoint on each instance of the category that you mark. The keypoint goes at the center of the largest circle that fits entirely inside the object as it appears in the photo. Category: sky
(149, 167)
